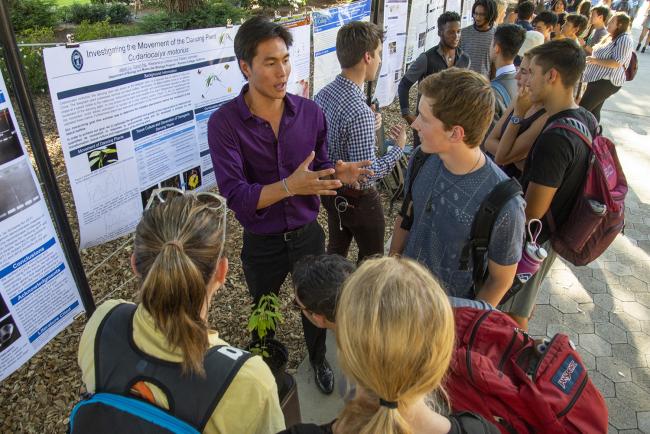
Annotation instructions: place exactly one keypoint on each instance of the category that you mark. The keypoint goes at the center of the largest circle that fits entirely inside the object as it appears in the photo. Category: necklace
(460, 177)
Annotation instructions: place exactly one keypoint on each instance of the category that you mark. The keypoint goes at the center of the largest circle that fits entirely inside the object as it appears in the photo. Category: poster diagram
(132, 114)
(327, 23)
(423, 28)
(38, 296)
(395, 13)
(300, 55)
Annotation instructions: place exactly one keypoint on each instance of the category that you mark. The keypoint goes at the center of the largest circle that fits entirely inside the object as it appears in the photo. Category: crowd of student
(277, 155)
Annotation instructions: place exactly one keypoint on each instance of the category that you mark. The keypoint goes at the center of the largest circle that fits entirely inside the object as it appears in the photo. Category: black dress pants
(596, 94)
(268, 259)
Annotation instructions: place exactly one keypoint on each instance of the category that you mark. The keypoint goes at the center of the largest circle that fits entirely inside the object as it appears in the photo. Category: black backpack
(477, 246)
(119, 364)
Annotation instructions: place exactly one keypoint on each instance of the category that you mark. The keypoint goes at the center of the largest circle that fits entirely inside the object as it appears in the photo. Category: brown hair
(461, 97)
(177, 245)
(622, 24)
(356, 39)
(394, 335)
(563, 55)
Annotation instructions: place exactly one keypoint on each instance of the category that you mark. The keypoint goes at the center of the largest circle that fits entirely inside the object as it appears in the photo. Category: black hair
(561, 18)
(547, 17)
(318, 281)
(510, 38)
(447, 17)
(584, 8)
(253, 32)
(578, 21)
(602, 11)
(565, 56)
(555, 2)
(490, 7)
(525, 10)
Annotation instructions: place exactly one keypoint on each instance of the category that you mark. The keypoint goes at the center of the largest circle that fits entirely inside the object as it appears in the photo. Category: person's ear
(319, 320)
(133, 267)
(221, 270)
(246, 69)
(457, 134)
(552, 76)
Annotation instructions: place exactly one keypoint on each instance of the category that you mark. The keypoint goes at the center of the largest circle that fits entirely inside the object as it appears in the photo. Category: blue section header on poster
(25, 259)
(334, 17)
(161, 125)
(53, 321)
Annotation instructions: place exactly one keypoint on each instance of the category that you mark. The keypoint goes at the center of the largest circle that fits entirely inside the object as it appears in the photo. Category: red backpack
(598, 214)
(521, 385)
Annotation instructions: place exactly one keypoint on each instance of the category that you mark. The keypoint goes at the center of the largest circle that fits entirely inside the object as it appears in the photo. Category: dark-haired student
(557, 164)
(525, 11)
(599, 16)
(544, 23)
(269, 151)
(508, 39)
(356, 211)
(444, 55)
(476, 40)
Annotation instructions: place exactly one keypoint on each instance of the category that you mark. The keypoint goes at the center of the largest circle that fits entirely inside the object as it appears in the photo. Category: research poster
(300, 56)
(38, 296)
(132, 115)
(423, 27)
(466, 18)
(326, 26)
(453, 6)
(392, 59)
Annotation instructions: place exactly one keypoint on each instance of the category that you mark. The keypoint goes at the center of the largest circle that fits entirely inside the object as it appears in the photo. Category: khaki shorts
(522, 303)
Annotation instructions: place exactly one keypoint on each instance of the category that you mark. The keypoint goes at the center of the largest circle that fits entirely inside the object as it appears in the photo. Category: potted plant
(264, 319)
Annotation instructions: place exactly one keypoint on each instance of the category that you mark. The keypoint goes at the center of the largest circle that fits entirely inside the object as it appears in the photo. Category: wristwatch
(515, 120)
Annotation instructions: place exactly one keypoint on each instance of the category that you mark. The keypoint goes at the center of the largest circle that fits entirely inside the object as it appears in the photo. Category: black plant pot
(277, 359)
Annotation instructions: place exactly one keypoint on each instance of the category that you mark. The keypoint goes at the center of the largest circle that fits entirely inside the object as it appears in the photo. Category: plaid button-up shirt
(351, 128)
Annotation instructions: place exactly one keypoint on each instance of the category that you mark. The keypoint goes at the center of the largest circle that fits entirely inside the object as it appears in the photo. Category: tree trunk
(182, 5)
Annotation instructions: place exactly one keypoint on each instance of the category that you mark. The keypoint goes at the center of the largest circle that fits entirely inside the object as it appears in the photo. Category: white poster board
(423, 27)
(327, 23)
(392, 59)
(132, 114)
(466, 18)
(38, 296)
(300, 56)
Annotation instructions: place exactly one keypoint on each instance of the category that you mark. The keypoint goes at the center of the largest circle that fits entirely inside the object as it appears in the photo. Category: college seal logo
(77, 60)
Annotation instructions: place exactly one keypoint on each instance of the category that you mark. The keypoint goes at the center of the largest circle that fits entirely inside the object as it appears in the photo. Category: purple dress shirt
(246, 156)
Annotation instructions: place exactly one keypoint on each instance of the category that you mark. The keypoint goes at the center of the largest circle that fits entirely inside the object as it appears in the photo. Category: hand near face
(398, 134)
(523, 102)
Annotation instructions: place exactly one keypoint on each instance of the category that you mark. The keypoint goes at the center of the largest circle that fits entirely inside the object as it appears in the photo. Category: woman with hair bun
(395, 336)
(178, 257)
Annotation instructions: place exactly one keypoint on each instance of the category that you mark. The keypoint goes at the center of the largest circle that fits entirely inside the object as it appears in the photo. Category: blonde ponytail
(394, 335)
(177, 245)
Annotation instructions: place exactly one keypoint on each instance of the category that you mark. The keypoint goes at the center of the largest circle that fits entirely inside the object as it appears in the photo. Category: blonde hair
(394, 333)
(461, 97)
(177, 245)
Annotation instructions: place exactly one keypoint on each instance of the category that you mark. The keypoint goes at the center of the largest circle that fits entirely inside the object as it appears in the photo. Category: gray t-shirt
(597, 36)
(444, 206)
(476, 44)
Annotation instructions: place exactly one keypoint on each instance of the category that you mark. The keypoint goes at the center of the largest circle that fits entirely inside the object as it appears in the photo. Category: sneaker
(638, 47)
(643, 50)
(324, 377)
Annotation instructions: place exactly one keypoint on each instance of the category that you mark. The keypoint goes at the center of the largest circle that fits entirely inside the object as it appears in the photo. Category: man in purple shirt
(269, 152)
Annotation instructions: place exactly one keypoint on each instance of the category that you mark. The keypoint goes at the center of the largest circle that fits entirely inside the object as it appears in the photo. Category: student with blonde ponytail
(179, 260)
(395, 336)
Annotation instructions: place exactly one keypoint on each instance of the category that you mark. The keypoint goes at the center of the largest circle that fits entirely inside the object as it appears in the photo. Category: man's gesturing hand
(305, 182)
(353, 173)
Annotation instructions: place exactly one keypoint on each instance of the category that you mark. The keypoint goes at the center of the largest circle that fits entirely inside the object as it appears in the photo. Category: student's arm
(519, 148)
(398, 241)
(498, 282)
(414, 73)
(492, 141)
(538, 200)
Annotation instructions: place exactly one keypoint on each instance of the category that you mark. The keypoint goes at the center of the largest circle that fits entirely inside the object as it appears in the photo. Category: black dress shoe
(324, 376)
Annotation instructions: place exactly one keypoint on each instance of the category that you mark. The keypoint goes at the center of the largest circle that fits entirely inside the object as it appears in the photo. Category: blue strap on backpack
(120, 364)
(502, 91)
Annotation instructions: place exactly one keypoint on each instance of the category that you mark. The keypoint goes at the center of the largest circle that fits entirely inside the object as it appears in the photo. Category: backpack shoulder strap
(502, 91)
(406, 212)
(484, 219)
(573, 125)
(471, 423)
(119, 364)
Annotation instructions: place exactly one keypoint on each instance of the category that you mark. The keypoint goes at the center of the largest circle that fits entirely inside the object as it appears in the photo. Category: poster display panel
(392, 59)
(132, 114)
(38, 295)
(453, 6)
(466, 18)
(327, 23)
(299, 55)
(423, 27)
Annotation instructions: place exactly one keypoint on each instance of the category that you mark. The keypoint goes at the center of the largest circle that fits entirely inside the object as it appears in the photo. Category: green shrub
(30, 14)
(115, 13)
(213, 14)
(87, 31)
(32, 58)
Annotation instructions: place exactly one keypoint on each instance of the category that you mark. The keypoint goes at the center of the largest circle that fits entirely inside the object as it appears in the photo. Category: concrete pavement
(604, 307)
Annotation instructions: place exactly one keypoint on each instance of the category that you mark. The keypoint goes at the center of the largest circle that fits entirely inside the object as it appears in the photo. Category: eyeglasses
(212, 201)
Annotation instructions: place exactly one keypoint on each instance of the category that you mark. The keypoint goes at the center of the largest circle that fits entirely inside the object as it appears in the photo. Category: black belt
(286, 236)
(355, 193)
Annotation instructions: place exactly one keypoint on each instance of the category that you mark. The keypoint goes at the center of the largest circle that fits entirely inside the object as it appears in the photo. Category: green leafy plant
(114, 13)
(264, 318)
(87, 31)
(211, 14)
(30, 14)
(32, 58)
